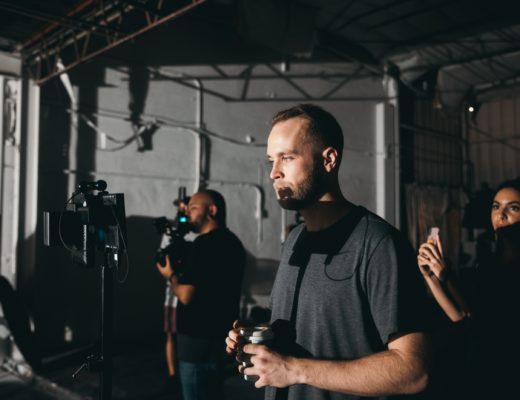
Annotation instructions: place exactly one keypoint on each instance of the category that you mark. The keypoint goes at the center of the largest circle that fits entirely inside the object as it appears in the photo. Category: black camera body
(90, 223)
(177, 248)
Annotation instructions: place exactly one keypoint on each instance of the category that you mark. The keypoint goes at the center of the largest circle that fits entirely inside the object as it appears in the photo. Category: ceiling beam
(60, 48)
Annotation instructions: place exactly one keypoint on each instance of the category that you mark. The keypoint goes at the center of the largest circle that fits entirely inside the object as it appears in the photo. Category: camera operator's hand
(165, 270)
(184, 292)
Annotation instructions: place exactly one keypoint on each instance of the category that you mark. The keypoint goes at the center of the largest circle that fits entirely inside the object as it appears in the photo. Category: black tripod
(103, 362)
(95, 223)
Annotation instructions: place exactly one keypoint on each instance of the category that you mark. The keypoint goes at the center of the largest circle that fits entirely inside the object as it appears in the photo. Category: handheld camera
(176, 232)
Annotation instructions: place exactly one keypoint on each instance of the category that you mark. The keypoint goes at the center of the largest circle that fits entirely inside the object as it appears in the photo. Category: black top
(494, 334)
(215, 267)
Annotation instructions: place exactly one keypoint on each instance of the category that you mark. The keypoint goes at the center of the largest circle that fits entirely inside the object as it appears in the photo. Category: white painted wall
(10, 99)
(10, 64)
(150, 179)
(237, 169)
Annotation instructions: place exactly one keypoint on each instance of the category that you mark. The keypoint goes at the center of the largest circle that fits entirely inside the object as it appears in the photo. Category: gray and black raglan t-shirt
(360, 286)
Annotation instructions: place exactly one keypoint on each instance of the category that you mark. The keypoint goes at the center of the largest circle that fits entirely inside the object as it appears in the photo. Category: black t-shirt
(215, 266)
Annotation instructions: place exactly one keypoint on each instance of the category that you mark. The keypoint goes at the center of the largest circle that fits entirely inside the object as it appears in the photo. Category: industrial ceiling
(450, 49)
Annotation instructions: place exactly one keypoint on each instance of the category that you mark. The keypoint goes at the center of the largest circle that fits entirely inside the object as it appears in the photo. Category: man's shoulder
(219, 236)
(214, 234)
(229, 234)
(375, 229)
(378, 225)
(383, 236)
(293, 234)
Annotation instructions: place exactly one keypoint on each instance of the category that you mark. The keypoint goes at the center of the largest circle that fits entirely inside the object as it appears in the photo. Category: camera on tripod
(176, 232)
(89, 223)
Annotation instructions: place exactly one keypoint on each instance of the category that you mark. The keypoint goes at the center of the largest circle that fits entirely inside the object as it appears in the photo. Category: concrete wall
(10, 65)
(229, 118)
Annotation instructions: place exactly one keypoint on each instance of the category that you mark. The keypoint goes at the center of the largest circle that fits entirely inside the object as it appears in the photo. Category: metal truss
(92, 28)
(297, 81)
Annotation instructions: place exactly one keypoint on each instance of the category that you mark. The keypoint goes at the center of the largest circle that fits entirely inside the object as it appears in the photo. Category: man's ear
(330, 158)
(213, 210)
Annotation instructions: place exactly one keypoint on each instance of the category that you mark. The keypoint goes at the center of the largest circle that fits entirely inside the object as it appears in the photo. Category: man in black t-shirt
(209, 295)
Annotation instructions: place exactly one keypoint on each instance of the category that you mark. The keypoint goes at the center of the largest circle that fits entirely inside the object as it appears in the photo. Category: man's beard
(306, 193)
(195, 225)
(192, 228)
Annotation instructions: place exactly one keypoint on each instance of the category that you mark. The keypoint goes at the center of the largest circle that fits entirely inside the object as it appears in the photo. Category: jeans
(199, 381)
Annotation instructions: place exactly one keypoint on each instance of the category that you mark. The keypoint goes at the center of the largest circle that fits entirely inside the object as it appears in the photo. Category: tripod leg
(107, 296)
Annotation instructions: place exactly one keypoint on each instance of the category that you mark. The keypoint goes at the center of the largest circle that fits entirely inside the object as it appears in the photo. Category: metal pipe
(196, 133)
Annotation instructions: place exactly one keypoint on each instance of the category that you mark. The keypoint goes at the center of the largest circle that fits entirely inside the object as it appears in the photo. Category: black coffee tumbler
(261, 334)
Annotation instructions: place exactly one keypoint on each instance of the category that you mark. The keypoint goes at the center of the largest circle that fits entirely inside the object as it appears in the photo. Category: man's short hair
(217, 199)
(323, 127)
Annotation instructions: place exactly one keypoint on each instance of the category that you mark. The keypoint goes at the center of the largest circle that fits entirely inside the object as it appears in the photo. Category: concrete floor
(137, 375)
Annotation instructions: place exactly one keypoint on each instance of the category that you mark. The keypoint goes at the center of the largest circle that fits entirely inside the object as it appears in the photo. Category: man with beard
(347, 299)
(209, 295)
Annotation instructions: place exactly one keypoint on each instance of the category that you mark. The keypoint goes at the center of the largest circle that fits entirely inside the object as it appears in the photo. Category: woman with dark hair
(492, 307)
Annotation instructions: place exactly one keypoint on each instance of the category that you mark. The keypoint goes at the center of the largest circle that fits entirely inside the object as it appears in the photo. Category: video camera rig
(176, 231)
(89, 223)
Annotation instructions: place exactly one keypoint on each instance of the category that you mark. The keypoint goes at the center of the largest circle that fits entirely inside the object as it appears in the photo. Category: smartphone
(433, 235)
